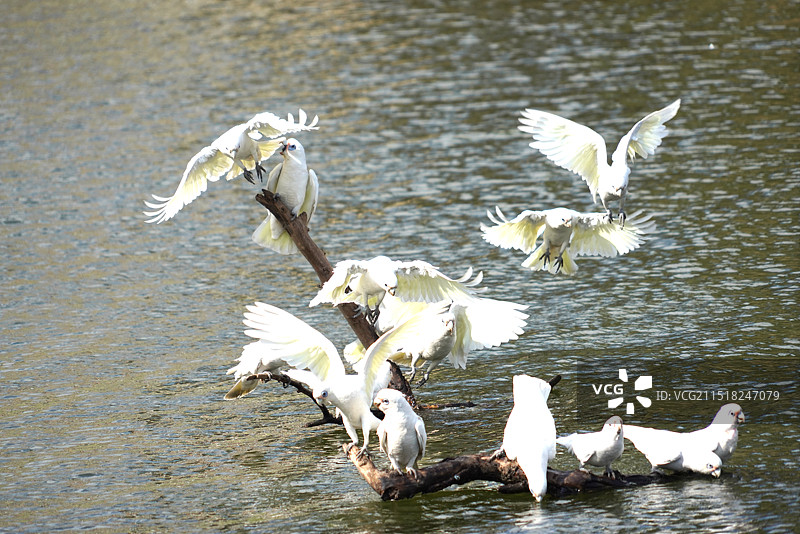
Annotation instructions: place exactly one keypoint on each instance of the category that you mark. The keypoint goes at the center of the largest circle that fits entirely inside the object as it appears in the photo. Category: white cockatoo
(665, 449)
(240, 150)
(297, 186)
(478, 323)
(599, 449)
(366, 282)
(581, 150)
(316, 362)
(565, 233)
(530, 433)
(401, 433)
(722, 434)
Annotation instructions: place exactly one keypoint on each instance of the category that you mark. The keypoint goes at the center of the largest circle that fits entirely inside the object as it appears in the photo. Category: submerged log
(392, 486)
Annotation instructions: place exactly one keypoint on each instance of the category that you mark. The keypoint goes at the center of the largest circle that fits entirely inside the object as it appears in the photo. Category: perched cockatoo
(665, 449)
(297, 186)
(366, 282)
(303, 347)
(401, 434)
(479, 323)
(600, 449)
(530, 433)
(581, 150)
(722, 434)
(240, 150)
(565, 233)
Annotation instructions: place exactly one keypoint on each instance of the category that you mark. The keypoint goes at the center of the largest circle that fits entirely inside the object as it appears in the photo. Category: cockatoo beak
(391, 290)
(283, 148)
(716, 472)
(740, 417)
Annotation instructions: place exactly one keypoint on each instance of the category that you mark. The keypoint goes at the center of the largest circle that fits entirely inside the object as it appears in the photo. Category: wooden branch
(297, 228)
(392, 486)
(301, 388)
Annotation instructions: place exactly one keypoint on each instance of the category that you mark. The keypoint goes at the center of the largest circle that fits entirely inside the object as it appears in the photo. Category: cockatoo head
(322, 395)
(729, 415)
(389, 399)
(292, 149)
(614, 425)
(559, 218)
(703, 461)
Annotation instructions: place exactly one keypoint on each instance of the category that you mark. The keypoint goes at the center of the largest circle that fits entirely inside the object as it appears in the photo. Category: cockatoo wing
(646, 135)
(309, 205)
(579, 444)
(271, 126)
(269, 147)
(335, 290)
(421, 281)
(594, 235)
(422, 436)
(520, 233)
(568, 144)
(207, 165)
(484, 323)
(387, 344)
(291, 339)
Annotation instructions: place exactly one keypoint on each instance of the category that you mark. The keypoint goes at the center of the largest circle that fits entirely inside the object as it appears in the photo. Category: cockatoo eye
(324, 395)
(385, 401)
(292, 147)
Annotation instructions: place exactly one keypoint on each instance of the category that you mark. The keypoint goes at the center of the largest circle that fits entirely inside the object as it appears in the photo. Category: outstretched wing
(294, 341)
(646, 135)
(206, 166)
(270, 125)
(594, 235)
(400, 336)
(335, 290)
(520, 233)
(421, 281)
(484, 323)
(568, 144)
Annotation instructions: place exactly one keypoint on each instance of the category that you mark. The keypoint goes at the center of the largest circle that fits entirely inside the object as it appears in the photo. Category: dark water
(117, 334)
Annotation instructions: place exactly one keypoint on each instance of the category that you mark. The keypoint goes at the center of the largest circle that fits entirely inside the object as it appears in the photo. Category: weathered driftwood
(460, 470)
(392, 486)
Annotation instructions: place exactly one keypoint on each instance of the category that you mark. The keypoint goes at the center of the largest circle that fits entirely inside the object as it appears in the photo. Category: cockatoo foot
(362, 452)
(621, 218)
(372, 316)
(422, 382)
(609, 216)
(248, 175)
(610, 473)
(260, 171)
(558, 263)
(412, 473)
(545, 256)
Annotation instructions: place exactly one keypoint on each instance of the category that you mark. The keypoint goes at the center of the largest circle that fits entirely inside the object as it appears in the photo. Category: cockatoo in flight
(581, 150)
(599, 449)
(565, 233)
(530, 433)
(472, 323)
(366, 282)
(238, 151)
(401, 434)
(316, 362)
(297, 186)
